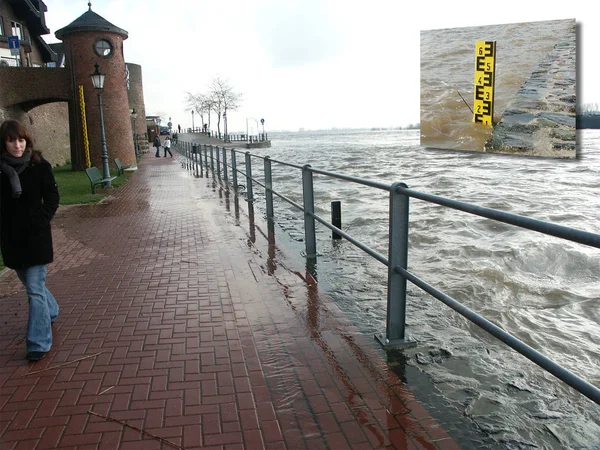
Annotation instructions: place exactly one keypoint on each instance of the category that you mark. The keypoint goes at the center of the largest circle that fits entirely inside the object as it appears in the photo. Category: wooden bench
(95, 178)
(120, 167)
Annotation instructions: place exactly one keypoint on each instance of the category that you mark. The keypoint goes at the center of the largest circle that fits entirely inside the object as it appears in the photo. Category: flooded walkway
(178, 330)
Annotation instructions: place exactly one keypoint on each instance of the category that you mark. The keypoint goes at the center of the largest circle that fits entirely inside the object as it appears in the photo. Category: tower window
(103, 47)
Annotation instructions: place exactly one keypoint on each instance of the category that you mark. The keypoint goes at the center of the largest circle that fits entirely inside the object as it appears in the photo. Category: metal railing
(396, 261)
(231, 137)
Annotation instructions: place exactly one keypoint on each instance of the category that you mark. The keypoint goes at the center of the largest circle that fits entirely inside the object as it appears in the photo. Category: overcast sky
(314, 64)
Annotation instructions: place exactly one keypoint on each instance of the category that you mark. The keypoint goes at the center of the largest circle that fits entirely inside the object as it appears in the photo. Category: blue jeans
(43, 308)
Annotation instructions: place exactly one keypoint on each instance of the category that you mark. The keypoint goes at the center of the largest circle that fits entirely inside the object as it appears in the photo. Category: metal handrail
(571, 234)
(398, 249)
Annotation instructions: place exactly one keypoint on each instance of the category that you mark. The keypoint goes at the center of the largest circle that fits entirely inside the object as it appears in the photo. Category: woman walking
(28, 201)
(167, 146)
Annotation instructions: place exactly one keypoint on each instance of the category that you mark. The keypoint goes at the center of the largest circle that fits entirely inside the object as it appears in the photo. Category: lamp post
(192, 120)
(135, 141)
(98, 82)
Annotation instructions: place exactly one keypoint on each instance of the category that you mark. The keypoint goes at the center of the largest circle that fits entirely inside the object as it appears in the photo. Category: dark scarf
(13, 167)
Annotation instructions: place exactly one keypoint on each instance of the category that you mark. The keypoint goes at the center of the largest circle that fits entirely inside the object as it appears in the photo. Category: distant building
(25, 19)
(152, 127)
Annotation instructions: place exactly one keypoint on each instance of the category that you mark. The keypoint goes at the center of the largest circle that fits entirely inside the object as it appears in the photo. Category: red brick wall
(80, 59)
(35, 85)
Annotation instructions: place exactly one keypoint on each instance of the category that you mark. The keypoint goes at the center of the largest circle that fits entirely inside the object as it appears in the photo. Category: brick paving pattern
(174, 321)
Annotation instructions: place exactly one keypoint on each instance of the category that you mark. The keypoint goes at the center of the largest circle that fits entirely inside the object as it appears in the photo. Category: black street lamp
(98, 82)
(192, 120)
(135, 141)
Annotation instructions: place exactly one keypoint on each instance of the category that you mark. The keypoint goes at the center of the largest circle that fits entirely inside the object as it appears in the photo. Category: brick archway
(25, 88)
(29, 87)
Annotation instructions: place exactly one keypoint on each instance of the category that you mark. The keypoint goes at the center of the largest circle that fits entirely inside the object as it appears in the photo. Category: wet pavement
(178, 328)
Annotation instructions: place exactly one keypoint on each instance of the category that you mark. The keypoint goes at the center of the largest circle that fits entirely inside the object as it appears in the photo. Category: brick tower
(136, 101)
(91, 39)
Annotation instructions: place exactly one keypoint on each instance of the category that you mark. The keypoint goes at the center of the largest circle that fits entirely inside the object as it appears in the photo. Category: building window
(1, 26)
(17, 29)
(103, 47)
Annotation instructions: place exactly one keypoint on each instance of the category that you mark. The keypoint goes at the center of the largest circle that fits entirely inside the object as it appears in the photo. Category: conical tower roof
(90, 21)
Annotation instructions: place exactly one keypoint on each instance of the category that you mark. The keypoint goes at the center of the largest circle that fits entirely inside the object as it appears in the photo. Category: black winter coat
(25, 234)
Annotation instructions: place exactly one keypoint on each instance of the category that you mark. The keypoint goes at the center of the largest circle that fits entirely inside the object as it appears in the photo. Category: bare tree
(208, 105)
(195, 103)
(162, 116)
(588, 109)
(224, 99)
(202, 104)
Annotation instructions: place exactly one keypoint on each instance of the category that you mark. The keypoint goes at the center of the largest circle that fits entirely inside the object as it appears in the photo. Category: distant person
(179, 128)
(157, 145)
(28, 201)
(167, 146)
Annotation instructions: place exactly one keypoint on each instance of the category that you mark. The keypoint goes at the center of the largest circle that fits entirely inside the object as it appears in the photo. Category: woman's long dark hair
(13, 129)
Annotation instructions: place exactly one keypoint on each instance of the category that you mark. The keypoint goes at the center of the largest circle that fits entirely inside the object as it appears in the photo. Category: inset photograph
(501, 88)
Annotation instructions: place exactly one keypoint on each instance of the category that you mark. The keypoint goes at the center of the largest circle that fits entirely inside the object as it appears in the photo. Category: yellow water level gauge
(485, 68)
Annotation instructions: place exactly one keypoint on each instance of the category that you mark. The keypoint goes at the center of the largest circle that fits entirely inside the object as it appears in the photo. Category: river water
(447, 72)
(541, 289)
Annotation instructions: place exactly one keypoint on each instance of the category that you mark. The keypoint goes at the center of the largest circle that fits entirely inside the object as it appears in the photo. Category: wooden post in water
(336, 218)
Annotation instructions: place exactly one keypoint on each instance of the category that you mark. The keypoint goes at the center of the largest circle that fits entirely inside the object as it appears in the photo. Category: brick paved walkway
(173, 320)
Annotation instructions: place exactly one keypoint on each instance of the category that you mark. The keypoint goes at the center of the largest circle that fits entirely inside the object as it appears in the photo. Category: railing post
(206, 159)
(195, 153)
(218, 162)
(249, 195)
(268, 188)
(212, 161)
(200, 159)
(234, 169)
(224, 164)
(187, 156)
(395, 332)
(310, 238)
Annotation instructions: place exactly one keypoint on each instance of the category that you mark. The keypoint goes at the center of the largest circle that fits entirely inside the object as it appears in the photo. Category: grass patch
(75, 188)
